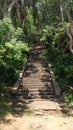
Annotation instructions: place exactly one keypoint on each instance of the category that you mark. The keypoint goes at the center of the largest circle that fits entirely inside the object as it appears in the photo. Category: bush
(12, 51)
(69, 98)
(56, 40)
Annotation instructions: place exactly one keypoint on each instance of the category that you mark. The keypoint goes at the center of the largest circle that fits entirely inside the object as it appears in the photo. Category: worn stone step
(28, 94)
(32, 81)
(40, 79)
(40, 66)
(32, 96)
(41, 71)
(38, 76)
(39, 59)
(36, 86)
(30, 75)
(36, 82)
(32, 60)
(34, 73)
(39, 92)
(36, 92)
(42, 82)
(36, 63)
(37, 89)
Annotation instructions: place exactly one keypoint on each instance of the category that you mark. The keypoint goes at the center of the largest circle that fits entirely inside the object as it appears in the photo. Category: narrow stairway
(36, 81)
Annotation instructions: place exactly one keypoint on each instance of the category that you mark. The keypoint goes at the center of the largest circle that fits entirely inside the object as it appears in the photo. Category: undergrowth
(57, 51)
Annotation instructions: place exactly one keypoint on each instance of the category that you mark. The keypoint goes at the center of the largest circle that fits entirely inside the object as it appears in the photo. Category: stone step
(34, 82)
(36, 89)
(37, 65)
(34, 73)
(32, 96)
(43, 105)
(39, 87)
(36, 92)
(27, 80)
(42, 71)
(37, 77)
(41, 82)
(40, 66)
(39, 59)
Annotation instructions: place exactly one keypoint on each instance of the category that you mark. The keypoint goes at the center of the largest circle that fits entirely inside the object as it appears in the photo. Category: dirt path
(38, 121)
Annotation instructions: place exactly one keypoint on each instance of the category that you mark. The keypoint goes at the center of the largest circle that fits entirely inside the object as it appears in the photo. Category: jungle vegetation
(25, 22)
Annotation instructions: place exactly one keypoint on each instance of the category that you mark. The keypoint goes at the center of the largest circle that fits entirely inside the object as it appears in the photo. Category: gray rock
(57, 88)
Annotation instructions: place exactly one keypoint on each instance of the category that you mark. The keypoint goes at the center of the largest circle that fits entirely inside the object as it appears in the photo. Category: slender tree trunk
(66, 28)
(11, 5)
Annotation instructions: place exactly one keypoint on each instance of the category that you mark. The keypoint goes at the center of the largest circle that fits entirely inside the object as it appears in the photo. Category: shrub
(56, 40)
(12, 51)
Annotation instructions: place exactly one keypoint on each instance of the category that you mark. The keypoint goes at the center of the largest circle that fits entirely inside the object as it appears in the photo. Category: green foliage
(31, 30)
(12, 51)
(63, 69)
(32, 17)
(69, 98)
(47, 35)
(7, 31)
(55, 39)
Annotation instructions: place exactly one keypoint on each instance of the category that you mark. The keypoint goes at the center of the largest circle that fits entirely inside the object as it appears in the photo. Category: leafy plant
(69, 98)
(12, 51)
(55, 39)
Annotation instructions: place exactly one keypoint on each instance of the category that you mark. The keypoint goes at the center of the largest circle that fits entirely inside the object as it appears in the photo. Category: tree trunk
(67, 29)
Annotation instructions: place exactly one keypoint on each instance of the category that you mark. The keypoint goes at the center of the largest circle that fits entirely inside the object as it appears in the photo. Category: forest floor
(38, 108)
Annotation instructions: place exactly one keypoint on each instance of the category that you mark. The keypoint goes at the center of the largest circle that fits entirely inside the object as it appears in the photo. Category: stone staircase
(36, 81)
